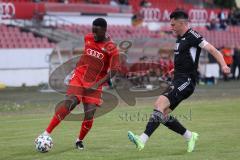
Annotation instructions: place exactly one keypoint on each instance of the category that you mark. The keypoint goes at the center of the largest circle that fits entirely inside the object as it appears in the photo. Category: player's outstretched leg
(62, 109)
(136, 140)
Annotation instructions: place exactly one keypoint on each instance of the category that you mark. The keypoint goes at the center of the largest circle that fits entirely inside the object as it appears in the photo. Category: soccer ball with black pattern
(43, 143)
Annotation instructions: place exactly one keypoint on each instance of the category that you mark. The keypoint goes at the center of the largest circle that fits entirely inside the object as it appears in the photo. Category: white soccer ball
(43, 143)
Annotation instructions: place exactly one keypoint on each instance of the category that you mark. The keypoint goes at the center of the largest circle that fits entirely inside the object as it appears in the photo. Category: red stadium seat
(12, 37)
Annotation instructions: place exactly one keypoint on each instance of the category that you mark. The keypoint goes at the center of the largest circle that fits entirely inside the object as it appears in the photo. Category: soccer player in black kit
(186, 56)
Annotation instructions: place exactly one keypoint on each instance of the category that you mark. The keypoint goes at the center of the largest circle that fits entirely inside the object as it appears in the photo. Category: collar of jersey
(185, 33)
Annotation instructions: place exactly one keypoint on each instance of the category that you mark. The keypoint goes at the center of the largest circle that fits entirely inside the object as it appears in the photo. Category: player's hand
(226, 69)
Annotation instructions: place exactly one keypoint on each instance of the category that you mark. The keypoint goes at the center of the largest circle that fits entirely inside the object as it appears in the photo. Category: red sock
(85, 128)
(59, 115)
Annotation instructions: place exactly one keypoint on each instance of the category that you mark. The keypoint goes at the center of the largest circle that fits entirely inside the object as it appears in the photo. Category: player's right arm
(218, 56)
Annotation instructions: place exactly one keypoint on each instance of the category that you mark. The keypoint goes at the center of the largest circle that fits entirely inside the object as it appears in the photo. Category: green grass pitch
(213, 112)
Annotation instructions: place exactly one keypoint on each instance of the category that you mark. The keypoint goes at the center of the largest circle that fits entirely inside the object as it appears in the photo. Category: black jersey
(186, 54)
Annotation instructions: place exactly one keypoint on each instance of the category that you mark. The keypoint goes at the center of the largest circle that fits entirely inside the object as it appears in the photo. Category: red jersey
(97, 59)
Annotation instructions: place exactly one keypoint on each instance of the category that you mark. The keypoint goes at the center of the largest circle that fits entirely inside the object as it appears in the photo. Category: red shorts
(78, 87)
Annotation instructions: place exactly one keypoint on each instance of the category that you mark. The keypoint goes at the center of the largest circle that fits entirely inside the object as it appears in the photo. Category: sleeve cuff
(203, 44)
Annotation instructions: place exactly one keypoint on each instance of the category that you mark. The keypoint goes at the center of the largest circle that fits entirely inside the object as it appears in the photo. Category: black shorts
(182, 89)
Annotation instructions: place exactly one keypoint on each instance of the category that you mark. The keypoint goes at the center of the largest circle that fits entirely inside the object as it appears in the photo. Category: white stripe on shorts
(184, 85)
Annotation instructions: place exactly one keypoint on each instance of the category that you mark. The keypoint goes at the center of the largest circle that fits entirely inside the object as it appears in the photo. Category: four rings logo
(94, 53)
(198, 15)
(151, 14)
(7, 10)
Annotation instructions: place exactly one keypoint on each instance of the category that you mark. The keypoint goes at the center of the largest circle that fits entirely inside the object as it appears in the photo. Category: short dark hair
(179, 14)
(100, 22)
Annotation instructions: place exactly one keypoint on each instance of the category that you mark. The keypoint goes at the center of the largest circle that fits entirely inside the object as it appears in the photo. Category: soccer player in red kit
(96, 66)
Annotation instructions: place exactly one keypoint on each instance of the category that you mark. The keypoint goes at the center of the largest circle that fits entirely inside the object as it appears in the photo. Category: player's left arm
(218, 56)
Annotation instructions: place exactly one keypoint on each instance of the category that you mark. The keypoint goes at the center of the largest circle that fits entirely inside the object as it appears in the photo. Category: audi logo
(198, 15)
(94, 53)
(151, 14)
(7, 10)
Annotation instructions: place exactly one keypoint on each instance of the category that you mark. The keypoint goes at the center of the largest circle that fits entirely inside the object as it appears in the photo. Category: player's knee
(89, 115)
(158, 116)
(71, 102)
(167, 111)
(162, 103)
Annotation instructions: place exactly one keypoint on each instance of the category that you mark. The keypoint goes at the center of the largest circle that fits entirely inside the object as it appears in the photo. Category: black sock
(175, 125)
(152, 124)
